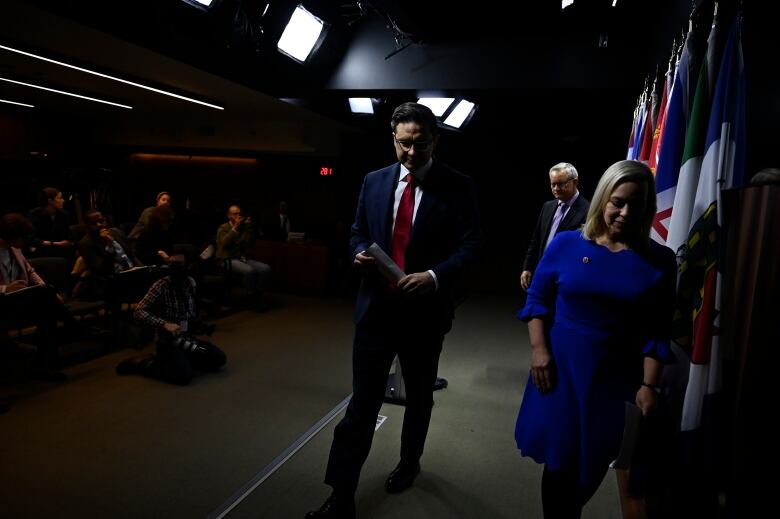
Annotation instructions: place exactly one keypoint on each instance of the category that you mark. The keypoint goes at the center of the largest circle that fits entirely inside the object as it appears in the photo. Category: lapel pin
(585, 259)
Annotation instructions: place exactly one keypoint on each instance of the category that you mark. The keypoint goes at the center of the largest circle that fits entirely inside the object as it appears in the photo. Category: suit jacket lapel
(548, 211)
(571, 213)
(567, 218)
(385, 206)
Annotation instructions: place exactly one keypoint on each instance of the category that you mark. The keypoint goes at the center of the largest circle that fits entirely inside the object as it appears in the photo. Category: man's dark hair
(90, 212)
(13, 226)
(414, 113)
(47, 193)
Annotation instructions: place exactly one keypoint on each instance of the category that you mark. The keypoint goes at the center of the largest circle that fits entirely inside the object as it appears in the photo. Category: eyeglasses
(560, 185)
(418, 145)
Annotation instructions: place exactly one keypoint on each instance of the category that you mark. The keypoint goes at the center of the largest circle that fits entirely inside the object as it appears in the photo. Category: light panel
(113, 78)
(63, 92)
(204, 5)
(301, 34)
(438, 105)
(361, 105)
(459, 114)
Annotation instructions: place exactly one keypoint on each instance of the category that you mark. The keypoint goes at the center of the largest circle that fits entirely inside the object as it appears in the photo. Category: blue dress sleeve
(542, 292)
(663, 304)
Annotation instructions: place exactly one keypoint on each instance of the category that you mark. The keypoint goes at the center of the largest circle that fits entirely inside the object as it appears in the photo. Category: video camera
(188, 343)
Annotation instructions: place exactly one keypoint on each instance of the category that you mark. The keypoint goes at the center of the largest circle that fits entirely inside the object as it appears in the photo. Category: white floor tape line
(280, 460)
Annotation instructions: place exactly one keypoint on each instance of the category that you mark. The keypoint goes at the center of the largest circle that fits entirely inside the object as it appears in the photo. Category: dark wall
(208, 185)
(762, 77)
(521, 45)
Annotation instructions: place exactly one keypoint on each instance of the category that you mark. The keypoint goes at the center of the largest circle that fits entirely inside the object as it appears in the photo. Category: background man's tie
(559, 214)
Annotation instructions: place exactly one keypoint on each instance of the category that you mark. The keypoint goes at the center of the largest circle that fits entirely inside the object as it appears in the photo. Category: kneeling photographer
(169, 307)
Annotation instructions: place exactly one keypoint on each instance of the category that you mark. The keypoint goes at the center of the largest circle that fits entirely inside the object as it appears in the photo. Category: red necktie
(403, 223)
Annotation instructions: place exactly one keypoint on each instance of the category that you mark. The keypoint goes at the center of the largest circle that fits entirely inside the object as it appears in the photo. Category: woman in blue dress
(599, 312)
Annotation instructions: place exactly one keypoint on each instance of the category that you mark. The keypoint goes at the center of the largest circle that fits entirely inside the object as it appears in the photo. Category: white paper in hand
(387, 267)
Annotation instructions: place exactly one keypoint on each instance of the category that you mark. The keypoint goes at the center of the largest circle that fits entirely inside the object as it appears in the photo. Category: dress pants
(378, 338)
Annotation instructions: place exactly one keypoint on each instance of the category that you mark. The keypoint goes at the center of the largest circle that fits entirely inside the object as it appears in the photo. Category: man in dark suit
(277, 224)
(425, 216)
(566, 213)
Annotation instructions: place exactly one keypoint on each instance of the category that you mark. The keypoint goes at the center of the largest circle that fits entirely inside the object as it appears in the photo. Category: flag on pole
(640, 128)
(631, 137)
(673, 138)
(647, 132)
(693, 153)
(655, 148)
(700, 278)
(654, 106)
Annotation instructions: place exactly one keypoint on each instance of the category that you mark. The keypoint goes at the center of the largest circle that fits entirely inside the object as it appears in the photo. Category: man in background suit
(425, 216)
(566, 213)
(277, 225)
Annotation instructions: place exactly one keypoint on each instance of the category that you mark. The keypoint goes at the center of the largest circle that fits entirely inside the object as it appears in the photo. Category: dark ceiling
(531, 53)
(235, 41)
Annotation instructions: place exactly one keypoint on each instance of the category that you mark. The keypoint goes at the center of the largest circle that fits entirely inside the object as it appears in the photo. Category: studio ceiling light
(202, 4)
(106, 76)
(459, 114)
(301, 34)
(63, 92)
(361, 105)
(16, 103)
(438, 105)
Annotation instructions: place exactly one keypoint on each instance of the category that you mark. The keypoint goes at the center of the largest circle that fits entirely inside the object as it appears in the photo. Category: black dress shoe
(336, 507)
(402, 476)
(440, 383)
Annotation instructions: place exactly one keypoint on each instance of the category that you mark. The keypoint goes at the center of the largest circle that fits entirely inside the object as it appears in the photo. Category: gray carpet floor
(102, 445)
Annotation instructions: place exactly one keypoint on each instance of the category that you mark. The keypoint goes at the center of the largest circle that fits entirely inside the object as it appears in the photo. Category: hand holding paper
(387, 267)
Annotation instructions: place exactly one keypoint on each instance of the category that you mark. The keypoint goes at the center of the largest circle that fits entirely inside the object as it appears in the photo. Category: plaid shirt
(167, 303)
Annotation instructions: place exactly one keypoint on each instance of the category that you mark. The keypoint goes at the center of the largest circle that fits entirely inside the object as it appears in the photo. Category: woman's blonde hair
(620, 173)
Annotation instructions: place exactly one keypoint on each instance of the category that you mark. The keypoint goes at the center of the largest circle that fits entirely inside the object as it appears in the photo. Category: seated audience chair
(55, 272)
